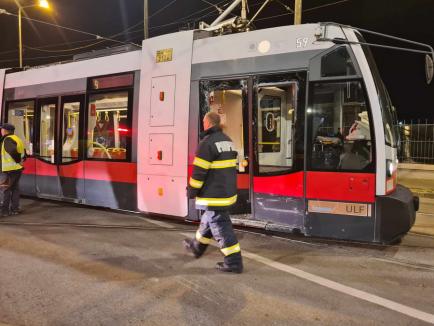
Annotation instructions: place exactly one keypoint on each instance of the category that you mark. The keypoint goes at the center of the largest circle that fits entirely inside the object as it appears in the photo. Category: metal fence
(417, 142)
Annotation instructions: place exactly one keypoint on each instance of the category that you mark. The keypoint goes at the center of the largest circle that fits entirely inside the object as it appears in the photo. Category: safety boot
(189, 246)
(223, 267)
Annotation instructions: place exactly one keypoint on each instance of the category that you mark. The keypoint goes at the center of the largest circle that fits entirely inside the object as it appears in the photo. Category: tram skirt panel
(326, 221)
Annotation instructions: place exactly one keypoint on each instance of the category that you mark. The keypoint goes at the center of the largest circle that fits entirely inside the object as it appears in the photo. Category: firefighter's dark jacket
(214, 179)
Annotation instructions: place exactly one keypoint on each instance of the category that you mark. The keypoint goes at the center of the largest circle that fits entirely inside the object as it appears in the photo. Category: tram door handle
(243, 164)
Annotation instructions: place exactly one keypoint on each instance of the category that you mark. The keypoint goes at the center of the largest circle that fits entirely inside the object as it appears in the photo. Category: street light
(42, 4)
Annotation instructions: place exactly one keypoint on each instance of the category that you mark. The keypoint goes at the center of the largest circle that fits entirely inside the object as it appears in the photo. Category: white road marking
(362, 295)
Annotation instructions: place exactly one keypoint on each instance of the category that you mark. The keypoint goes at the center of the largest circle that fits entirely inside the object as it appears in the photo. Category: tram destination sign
(340, 208)
(164, 55)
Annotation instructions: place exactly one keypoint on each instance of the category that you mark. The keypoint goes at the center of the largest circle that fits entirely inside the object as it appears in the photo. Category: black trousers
(218, 225)
(11, 193)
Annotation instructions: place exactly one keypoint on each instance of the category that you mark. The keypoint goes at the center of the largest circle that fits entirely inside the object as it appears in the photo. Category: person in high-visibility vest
(12, 156)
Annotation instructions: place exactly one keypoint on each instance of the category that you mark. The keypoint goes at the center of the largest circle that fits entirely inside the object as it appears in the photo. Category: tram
(304, 105)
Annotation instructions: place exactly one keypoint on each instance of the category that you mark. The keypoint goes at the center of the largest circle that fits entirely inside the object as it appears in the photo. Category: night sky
(403, 74)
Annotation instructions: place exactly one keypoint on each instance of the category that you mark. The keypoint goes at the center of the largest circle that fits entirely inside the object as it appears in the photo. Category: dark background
(402, 73)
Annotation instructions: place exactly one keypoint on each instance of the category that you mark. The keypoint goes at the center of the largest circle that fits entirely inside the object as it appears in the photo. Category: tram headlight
(389, 168)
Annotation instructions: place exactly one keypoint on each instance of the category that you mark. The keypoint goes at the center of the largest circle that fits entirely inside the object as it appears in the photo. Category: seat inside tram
(341, 137)
(107, 121)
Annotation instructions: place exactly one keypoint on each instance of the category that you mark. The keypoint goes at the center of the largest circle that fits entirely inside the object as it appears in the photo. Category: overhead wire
(186, 19)
(67, 28)
(37, 58)
(305, 10)
(41, 49)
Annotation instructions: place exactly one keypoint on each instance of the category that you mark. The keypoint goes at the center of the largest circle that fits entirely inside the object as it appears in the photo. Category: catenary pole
(146, 20)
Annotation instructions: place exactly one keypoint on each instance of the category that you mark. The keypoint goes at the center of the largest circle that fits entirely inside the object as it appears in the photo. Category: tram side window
(70, 132)
(337, 63)
(47, 148)
(276, 128)
(21, 115)
(340, 131)
(228, 103)
(108, 126)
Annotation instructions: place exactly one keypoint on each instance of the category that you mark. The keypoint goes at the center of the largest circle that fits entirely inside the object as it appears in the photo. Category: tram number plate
(339, 208)
(164, 55)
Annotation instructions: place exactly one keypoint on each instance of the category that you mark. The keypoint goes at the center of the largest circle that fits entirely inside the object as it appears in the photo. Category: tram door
(264, 117)
(59, 168)
(229, 99)
(278, 196)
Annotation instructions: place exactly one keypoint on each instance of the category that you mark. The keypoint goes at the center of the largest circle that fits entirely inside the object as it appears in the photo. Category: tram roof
(206, 49)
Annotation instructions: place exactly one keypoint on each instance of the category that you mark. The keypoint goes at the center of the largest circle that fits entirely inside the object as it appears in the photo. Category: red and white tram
(310, 117)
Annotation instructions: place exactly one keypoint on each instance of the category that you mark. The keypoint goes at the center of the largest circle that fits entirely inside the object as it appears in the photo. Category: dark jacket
(214, 179)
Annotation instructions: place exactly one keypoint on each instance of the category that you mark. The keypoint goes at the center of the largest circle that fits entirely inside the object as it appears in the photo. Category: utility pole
(297, 12)
(146, 20)
(20, 35)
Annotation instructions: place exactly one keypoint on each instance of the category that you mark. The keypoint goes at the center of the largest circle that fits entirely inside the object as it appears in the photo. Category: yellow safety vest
(8, 163)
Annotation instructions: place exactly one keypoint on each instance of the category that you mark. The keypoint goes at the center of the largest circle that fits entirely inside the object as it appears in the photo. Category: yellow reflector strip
(196, 183)
(202, 239)
(216, 201)
(268, 143)
(231, 250)
(201, 163)
(223, 164)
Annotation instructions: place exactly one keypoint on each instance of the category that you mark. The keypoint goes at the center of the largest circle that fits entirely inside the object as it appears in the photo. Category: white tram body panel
(163, 124)
(267, 42)
(108, 65)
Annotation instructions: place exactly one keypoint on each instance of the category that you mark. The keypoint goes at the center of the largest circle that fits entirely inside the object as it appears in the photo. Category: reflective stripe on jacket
(214, 179)
(8, 163)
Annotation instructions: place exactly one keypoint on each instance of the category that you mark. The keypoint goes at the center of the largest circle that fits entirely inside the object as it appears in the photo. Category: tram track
(317, 243)
(94, 226)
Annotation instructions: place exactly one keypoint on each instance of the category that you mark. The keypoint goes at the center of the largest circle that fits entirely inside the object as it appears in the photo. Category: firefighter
(12, 156)
(214, 185)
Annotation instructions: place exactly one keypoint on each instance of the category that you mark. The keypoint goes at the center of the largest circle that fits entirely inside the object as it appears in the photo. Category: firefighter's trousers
(218, 225)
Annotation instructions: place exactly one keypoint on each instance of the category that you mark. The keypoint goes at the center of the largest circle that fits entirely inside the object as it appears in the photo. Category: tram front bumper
(396, 214)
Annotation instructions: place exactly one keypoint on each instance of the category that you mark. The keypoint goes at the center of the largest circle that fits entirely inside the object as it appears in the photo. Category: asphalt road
(120, 269)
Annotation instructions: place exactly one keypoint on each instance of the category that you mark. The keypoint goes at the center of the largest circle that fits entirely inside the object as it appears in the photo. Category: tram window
(21, 115)
(47, 147)
(389, 123)
(340, 131)
(108, 126)
(70, 131)
(228, 103)
(276, 128)
(337, 63)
